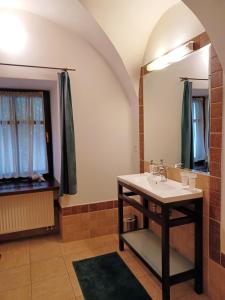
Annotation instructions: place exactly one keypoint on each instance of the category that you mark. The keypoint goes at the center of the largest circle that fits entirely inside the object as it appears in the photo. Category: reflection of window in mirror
(200, 125)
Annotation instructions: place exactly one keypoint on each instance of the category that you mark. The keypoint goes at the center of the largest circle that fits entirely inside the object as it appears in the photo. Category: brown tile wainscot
(89, 220)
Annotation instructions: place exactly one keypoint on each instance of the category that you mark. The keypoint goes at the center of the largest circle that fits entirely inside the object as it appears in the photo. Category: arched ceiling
(119, 30)
(128, 24)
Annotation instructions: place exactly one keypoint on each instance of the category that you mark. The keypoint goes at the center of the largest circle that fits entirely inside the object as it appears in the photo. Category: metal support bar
(120, 216)
(165, 254)
(181, 221)
(182, 277)
(199, 248)
(145, 219)
(139, 207)
(130, 194)
(186, 211)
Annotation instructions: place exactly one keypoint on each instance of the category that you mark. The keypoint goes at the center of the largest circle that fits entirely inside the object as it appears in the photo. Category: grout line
(67, 271)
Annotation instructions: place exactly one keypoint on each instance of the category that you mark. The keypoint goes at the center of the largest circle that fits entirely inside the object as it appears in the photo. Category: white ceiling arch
(118, 31)
(128, 24)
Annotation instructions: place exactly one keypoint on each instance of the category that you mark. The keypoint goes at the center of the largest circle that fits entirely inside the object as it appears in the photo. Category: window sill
(7, 189)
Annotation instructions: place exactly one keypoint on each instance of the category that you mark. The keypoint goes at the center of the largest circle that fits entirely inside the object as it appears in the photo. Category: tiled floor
(41, 269)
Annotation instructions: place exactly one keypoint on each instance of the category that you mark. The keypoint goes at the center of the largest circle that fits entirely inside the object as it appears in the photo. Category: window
(198, 129)
(25, 145)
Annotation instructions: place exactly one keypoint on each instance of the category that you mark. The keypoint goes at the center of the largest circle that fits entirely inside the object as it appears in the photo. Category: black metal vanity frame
(192, 211)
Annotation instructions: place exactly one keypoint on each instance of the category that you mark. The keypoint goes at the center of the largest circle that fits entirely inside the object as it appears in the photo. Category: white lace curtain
(198, 129)
(23, 149)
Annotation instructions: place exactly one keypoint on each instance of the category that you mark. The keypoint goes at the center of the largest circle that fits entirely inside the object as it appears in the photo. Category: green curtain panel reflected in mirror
(186, 128)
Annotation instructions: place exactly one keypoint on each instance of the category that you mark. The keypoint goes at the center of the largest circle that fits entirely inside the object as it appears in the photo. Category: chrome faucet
(160, 170)
(163, 170)
(163, 173)
(155, 170)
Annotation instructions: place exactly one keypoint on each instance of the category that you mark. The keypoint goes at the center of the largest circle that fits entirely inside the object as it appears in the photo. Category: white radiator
(26, 211)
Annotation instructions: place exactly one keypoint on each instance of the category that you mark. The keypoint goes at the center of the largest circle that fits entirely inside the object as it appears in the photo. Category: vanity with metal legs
(166, 263)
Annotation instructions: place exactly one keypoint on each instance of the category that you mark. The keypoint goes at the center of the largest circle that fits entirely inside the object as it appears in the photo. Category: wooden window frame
(48, 133)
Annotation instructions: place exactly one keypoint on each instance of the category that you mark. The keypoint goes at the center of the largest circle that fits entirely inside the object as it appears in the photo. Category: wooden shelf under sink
(149, 246)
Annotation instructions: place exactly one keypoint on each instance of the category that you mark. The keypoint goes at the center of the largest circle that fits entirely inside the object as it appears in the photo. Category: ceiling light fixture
(171, 57)
(13, 36)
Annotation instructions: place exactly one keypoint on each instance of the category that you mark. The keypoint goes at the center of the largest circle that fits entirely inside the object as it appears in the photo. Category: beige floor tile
(103, 250)
(56, 288)
(102, 245)
(73, 247)
(46, 269)
(75, 257)
(128, 256)
(75, 284)
(16, 245)
(14, 278)
(23, 293)
(182, 290)
(137, 269)
(80, 298)
(14, 257)
(44, 248)
(151, 287)
(102, 241)
(193, 296)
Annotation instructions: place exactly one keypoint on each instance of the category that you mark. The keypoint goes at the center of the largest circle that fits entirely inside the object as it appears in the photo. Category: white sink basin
(168, 191)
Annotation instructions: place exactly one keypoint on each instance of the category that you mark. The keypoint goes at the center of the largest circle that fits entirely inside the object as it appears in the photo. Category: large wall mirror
(165, 120)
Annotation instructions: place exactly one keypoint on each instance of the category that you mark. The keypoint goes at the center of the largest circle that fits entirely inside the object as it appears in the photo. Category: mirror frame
(216, 92)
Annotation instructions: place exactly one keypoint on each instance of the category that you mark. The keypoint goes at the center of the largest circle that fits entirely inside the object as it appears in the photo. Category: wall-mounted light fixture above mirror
(171, 57)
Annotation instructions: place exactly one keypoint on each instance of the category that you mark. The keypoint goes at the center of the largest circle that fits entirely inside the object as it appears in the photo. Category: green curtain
(186, 128)
(68, 184)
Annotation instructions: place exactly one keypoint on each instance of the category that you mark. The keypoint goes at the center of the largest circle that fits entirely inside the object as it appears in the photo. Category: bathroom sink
(153, 182)
(167, 191)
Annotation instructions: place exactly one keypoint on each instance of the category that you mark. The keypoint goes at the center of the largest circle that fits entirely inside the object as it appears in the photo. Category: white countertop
(166, 192)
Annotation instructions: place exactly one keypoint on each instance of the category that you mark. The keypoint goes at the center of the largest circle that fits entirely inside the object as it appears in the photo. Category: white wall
(163, 93)
(175, 27)
(102, 112)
